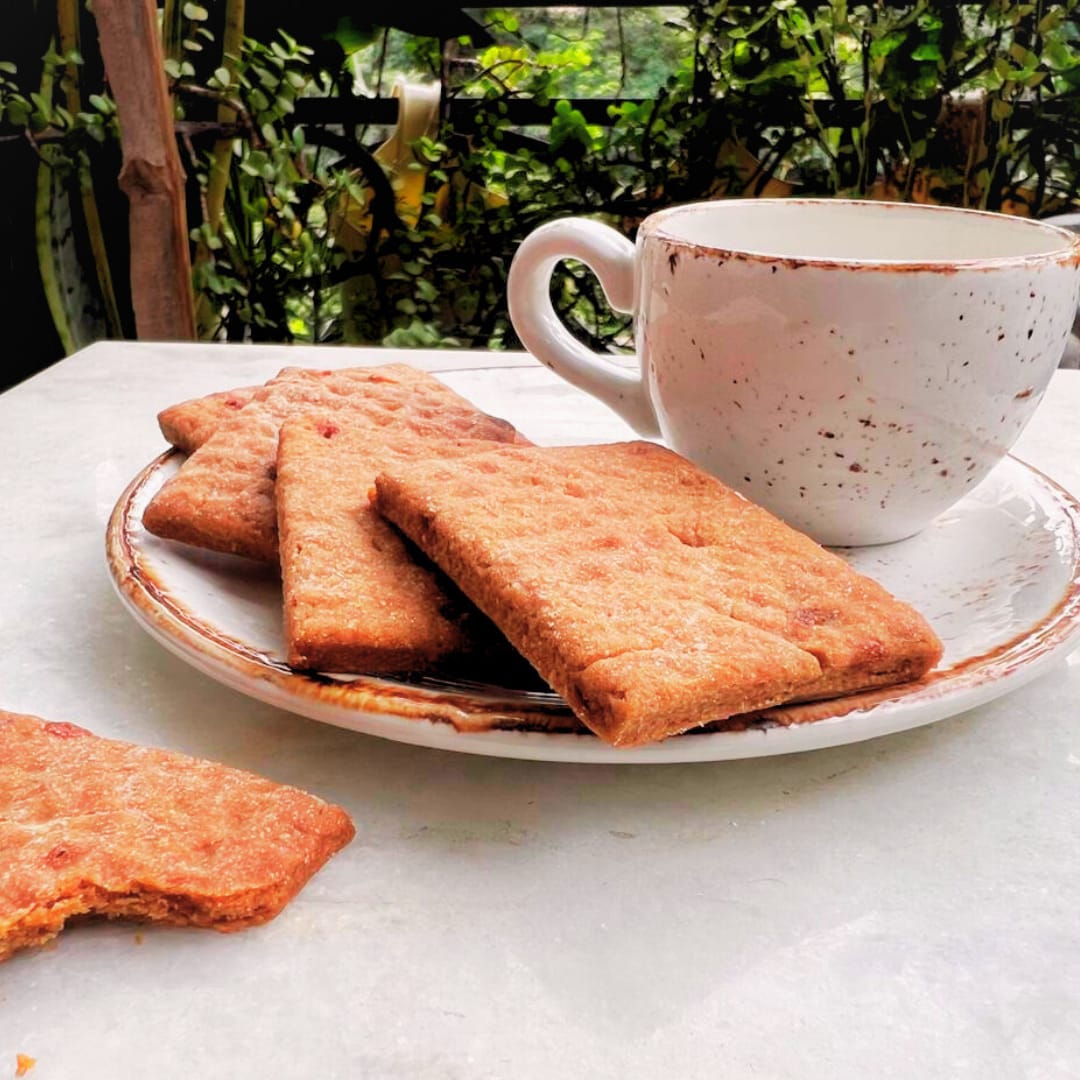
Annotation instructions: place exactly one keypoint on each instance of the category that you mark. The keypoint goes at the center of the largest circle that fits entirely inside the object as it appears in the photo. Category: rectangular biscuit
(91, 826)
(356, 597)
(189, 424)
(648, 594)
(222, 497)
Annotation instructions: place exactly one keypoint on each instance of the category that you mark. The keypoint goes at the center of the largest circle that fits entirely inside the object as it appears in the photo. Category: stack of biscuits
(648, 594)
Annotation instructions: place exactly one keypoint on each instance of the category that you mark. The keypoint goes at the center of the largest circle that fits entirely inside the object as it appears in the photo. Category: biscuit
(650, 596)
(190, 423)
(222, 497)
(356, 595)
(90, 826)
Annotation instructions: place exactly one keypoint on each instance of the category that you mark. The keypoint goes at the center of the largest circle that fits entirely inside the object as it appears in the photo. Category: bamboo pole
(67, 17)
(221, 159)
(232, 43)
(171, 24)
(151, 175)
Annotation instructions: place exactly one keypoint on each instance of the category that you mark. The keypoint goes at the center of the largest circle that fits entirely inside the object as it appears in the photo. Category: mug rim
(1069, 251)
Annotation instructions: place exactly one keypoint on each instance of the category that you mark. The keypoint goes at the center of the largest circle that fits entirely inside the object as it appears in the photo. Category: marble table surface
(903, 907)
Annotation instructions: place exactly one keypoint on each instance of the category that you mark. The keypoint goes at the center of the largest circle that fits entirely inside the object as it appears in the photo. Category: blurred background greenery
(311, 222)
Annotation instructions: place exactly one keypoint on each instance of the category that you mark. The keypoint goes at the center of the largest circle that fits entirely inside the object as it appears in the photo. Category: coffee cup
(854, 366)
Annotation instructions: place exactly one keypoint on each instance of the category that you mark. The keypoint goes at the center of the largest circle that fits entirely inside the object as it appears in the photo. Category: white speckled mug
(854, 366)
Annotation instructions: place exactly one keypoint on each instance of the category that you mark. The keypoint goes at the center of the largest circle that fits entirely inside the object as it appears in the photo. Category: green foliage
(969, 104)
(44, 117)
(267, 274)
(849, 96)
(974, 104)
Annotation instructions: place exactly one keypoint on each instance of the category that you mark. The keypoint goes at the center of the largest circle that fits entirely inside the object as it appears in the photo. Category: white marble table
(905, 907)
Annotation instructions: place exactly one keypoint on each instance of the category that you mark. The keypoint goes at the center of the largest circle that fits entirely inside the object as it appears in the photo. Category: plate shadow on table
(371, 776)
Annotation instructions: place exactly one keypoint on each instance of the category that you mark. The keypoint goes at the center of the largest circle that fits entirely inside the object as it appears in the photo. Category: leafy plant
(298, 231)
(266, 276)
(63, 137)
(970, 104)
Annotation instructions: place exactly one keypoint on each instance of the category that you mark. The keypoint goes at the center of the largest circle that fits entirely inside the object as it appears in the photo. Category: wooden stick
(151, 175)
(207, 313)
(231, 47)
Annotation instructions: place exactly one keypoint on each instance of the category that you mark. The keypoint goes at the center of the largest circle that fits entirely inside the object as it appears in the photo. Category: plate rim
(450, 720)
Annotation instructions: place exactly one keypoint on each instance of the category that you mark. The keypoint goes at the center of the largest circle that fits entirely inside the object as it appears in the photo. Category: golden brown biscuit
(190, 423)
(648, 594)
(222, 498)
(90, 826)
(355, 596)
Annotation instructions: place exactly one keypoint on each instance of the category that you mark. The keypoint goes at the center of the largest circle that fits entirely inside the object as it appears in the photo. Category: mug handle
(611, 257)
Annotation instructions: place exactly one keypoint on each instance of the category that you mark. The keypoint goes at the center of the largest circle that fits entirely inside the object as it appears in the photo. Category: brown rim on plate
(469, 707)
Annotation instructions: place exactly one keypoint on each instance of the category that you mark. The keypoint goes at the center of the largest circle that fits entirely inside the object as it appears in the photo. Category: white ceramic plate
(998, 577)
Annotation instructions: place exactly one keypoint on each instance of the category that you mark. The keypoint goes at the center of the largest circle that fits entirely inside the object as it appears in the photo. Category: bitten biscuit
(188, 425)
(89, 826)
(648, 594)
(356, 598)
(222, 497)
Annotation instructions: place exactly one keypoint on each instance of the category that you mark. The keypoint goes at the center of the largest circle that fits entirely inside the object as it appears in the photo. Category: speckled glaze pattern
(856, 399)
(856, 405)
